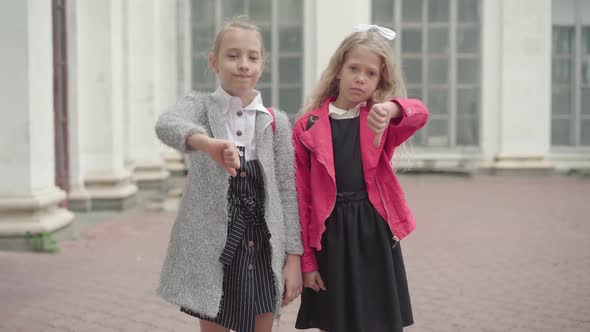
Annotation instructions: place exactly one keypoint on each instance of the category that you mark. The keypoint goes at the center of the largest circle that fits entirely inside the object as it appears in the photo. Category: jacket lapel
(318, 139)
(263, 138)
(216, 119)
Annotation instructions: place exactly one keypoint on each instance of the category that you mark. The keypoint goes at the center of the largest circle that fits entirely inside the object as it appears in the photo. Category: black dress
(248, 282)
(364, 273)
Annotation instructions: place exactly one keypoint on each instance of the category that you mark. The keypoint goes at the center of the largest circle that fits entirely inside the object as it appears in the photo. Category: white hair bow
(385, 32)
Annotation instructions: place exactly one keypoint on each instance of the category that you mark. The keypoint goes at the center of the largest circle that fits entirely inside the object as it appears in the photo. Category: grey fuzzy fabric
(192, 275)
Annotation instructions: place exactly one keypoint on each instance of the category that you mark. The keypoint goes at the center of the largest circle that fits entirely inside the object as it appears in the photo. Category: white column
(491, 82)
(78, 196)
(310, 26)
(185, 46)
(100, 78)
(149, 167)
(323, 39)
(166, 71)
(28, 195)
(517, 84)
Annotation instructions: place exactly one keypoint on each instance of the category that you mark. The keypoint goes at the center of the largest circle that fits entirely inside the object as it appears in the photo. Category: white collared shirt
(240, 122)
(338, 113)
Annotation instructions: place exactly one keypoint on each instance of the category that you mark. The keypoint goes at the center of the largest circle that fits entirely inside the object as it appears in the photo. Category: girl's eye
(232, 56)
(253, 58)
(354, 68)
(372, 74)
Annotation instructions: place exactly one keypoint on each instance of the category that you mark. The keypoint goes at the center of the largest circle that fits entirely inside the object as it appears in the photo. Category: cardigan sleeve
(176, 124)
(285, 176)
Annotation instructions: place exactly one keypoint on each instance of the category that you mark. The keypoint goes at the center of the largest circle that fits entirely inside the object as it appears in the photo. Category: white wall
(525, 76)
(324, 30)
(26, 89)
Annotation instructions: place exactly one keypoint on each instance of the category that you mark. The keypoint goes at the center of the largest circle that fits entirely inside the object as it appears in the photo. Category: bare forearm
(393, 109)
(198, 142)
(293, 259)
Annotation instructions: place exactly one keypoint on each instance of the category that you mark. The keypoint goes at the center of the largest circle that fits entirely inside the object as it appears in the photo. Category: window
(440, 52)
(570, 103)
(281, 26)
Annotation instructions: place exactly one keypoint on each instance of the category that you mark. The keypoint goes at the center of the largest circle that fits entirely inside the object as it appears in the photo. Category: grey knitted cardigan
(192, 274)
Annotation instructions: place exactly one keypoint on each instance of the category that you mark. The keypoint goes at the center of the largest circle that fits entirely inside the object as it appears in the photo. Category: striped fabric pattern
(248, 283)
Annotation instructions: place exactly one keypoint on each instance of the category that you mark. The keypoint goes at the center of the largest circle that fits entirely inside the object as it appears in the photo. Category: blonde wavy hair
(390, 86)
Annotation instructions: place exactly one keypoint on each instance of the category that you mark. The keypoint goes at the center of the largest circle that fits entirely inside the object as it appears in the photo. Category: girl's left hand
(379, 117)
(292, 279)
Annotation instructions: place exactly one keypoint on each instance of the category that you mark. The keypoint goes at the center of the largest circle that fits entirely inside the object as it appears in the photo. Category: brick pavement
(489, 254)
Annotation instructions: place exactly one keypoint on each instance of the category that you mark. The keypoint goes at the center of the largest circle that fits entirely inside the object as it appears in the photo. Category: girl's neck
(344, 104)
(246, 98)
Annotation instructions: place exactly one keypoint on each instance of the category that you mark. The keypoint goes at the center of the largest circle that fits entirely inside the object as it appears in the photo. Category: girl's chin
(237, 91)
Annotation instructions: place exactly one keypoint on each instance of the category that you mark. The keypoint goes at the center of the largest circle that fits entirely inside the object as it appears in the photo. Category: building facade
(84, 81)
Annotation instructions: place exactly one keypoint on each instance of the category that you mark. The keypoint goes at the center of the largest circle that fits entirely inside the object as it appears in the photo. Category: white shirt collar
(229, 102)
(338, 113)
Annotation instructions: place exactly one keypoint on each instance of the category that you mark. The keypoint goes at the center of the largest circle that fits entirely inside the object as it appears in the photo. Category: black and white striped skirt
(248, 282)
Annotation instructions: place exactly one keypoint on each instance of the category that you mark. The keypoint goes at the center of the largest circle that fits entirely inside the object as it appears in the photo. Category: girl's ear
(213, 62)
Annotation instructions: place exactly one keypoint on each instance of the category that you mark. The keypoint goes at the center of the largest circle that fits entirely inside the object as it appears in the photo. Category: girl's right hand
(223, 152)
(313, 280)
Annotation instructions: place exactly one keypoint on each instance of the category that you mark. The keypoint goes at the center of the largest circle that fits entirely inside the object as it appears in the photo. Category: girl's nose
(243, 64)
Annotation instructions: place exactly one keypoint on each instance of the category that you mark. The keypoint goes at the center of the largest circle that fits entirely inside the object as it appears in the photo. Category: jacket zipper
(394, 238)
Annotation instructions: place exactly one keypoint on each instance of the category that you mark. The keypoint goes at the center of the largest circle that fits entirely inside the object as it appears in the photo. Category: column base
(575, 163)
(174, 161)
(79, 200)
(151, 175)
(580, 172)
(111, 191)
(441, 165)
(35, 216)
(518, 164)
